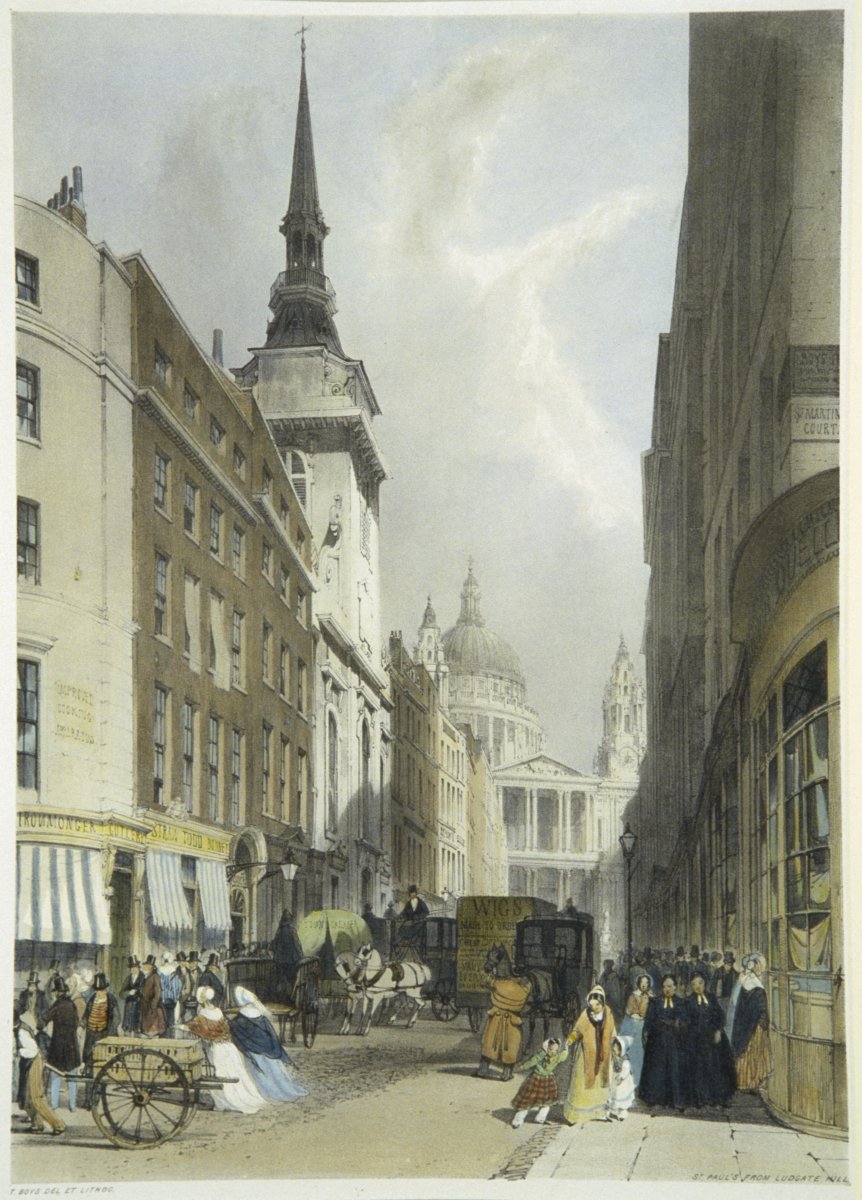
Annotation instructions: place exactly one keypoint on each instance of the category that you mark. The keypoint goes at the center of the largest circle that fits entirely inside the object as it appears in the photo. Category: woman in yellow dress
(590, 1084)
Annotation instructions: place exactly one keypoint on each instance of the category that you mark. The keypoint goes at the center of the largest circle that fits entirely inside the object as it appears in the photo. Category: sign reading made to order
(484, 922)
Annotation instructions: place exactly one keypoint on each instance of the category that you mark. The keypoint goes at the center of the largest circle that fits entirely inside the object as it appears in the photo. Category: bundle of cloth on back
(270, 1064)
(211, 1026)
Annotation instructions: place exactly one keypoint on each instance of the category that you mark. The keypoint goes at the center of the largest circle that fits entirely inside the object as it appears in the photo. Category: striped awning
(168, 905)
(215, 902)
(61, 895)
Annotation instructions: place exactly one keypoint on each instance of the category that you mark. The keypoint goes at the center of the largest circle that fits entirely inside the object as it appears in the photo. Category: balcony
(302, 277)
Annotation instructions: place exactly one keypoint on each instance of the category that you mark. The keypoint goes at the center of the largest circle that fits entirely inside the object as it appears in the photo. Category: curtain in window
(193, 620)
(219, 634)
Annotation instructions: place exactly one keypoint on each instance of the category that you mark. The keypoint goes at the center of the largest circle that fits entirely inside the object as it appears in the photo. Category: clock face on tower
(628, 757)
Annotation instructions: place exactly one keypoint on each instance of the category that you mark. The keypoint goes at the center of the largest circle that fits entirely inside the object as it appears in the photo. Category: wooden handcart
(144, 1091)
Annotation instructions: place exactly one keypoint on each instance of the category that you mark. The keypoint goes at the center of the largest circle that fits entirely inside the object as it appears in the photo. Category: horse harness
(360, 978)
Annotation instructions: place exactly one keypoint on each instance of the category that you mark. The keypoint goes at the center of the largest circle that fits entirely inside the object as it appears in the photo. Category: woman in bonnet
(269, 1063)
(748, 1024)
(210, 1025)
(590, 1084)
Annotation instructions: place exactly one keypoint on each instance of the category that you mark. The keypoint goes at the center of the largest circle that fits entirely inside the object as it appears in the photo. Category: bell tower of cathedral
(429, 652)
(624, 712)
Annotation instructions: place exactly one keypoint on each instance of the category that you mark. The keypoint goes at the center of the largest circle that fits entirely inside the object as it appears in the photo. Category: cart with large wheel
(143, 1092)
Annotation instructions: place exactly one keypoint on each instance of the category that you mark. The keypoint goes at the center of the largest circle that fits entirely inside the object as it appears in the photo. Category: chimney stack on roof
(69, 201)
(218, 347)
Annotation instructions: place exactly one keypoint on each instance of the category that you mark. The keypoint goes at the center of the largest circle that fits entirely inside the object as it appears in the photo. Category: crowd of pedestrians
(56, 1029)
(676, 1031)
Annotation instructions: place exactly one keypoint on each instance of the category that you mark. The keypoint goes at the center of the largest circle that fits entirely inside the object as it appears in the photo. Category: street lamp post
(628, 841)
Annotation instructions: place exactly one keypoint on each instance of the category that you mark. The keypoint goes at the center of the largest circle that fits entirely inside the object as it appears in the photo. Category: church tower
(320, 406)
(624, 711)
(429, 652)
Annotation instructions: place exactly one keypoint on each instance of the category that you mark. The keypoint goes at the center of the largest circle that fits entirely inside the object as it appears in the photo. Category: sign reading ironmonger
(75, 713)
(483, 922)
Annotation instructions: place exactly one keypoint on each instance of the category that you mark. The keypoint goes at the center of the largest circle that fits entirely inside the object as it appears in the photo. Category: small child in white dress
(622, 1082)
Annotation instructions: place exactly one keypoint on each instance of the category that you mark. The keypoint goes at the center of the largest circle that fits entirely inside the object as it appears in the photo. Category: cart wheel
(475, 1016)
(443, 1006)
(309, 1025)
(141, 1098)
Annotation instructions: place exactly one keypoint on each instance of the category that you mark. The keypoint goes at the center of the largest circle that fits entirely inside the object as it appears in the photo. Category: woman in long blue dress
(633, 1023)
(269, 1065)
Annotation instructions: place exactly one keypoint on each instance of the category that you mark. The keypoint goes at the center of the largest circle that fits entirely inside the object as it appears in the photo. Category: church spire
(304, 216)
(302, 299)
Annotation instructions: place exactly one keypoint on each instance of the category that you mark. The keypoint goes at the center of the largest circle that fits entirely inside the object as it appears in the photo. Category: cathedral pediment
(541, 765)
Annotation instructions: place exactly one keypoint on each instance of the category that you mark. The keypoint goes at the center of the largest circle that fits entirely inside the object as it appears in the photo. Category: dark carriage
(558, 950)
(432, 940)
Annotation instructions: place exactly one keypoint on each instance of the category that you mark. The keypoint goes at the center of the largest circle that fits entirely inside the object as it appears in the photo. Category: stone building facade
(738, 814)
(75, 745)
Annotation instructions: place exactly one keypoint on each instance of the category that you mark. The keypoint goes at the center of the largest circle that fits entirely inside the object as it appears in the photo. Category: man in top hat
(32, 1002)
(63, 1056)
(153, 1019)
(212, 977)
(714, 969)
(724, 980)
(100, 1016)
(131, 994)
(172, 981)
(286, 953)
(682, 971)
(415, 909)
(193, 976)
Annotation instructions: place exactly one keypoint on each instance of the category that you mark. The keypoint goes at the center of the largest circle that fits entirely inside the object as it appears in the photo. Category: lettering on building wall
(814, 370)
(161, 834)
(814, 422)
(814, 540)
(75, 713)
(808, 371)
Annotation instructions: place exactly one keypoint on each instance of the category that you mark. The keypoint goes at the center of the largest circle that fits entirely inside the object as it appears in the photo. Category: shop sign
(187, 839)
(33, 821)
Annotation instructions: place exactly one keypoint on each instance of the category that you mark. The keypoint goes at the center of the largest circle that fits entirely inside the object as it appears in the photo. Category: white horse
(369, 981)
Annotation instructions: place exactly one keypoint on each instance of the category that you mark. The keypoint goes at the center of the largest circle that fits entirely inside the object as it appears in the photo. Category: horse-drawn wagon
(483, 924)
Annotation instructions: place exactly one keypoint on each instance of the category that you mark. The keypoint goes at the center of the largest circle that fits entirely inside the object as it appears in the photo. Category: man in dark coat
(154, 1021)
(725, 980)
(286, 954)
(411, 917)
(663, 1075)
(681, 970)
(131, 994)
(710, 1068)
(212, 977)
(63, 1055)
(610, 981)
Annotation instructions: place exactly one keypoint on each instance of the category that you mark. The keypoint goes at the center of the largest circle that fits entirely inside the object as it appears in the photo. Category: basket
(187, 1053)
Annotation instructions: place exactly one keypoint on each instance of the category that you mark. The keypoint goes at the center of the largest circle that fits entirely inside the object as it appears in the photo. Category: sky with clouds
(504, 196)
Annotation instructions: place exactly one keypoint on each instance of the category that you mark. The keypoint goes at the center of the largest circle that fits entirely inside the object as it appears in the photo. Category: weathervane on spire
(300, 33)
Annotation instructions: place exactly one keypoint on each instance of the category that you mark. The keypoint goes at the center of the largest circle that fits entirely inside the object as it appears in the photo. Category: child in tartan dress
(539, 1089)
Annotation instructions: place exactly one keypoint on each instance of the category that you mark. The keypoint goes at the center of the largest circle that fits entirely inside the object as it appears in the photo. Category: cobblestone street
(404, 1104)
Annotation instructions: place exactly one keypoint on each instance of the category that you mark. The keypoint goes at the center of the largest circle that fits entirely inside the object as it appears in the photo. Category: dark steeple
(302, 299)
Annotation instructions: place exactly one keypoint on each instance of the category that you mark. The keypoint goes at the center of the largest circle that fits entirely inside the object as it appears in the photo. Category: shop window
(805, 686)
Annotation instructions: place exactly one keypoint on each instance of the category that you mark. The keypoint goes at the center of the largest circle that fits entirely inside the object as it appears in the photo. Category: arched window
(298, 476)
(296, 250)
(310, 251)
(332, 771)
